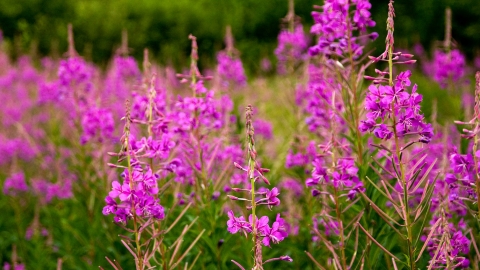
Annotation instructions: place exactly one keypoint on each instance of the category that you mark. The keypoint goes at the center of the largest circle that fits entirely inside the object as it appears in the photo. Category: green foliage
(163, 26)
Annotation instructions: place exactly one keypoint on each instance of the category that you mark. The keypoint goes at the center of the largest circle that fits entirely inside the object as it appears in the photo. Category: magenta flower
(230, 69)
(291, 47)
(140, 197)
(111, 206)
(276, 235)
(344, 177)
(333, 31)
(384, 102)
(239, 224)
(448, 67)
(319, 173)
(75, 71)
(293, 186)
(116, 190)
(149, 207)
(462, 164)
(15, 184)
(97, 125)
(271, 197)
(383, 132)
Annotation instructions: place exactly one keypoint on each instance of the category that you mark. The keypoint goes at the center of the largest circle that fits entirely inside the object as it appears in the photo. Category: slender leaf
(377, 243)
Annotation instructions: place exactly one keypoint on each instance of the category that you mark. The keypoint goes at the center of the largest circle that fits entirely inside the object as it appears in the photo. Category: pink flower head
(271, 197)
(239, 224)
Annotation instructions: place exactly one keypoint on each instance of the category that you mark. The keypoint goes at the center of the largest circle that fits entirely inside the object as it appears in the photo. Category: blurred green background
(40, 26)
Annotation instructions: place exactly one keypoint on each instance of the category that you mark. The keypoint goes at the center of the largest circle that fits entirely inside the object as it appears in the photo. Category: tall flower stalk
(448, 66)
(292, 43)
(252, 165)
(261, 232)
(331, 103)
(230, 68)
(471, 172)
(394, 113)
(341, 29)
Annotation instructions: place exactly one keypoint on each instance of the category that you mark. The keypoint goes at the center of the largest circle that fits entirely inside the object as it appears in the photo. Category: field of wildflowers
(341, 160)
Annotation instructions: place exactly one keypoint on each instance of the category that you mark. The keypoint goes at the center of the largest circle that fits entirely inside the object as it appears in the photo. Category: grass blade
(377, 243)
(178, 218)
(432, 231)
(188, 250)
(314, 261)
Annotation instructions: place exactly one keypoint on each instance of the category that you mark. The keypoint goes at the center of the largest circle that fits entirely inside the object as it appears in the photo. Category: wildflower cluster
(448, 67)
(291, 47)
(292, 43)
(385, 102)
(446, 244)
(230, 68)
(136, 194)
(335, 27)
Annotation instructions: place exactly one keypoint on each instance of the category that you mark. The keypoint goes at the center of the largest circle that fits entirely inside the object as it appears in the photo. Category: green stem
(408, 223)
(340, 224)
(139, 261)
(251, 168)
(257, 249)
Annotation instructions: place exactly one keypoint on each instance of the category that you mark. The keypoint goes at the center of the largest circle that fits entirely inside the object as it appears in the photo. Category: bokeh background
(40, 26)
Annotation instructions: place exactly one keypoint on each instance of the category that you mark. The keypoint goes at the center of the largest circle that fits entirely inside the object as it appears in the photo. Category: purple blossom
(17, 147)
(362, 15)
(156, 148)
(385, 102)
(330, 226)
(15, 184)
(271, 197)
(48, 92)
(122, 76)
(18, 266)
(277, 233)
(238, 224)
(461, 164)
(452, 252)
(321, 90)
(44, 189)
(295, 160)
(111, 207)
(291, 47)
(72, 73)
(230, 70)
(286, 258)
(147, 206)
(344, 177)
(448, 67)
(335, 34)
(98, 125)
(383, 132)
(140, 105)
(137, 191)
(319, 174)
(194, 112)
